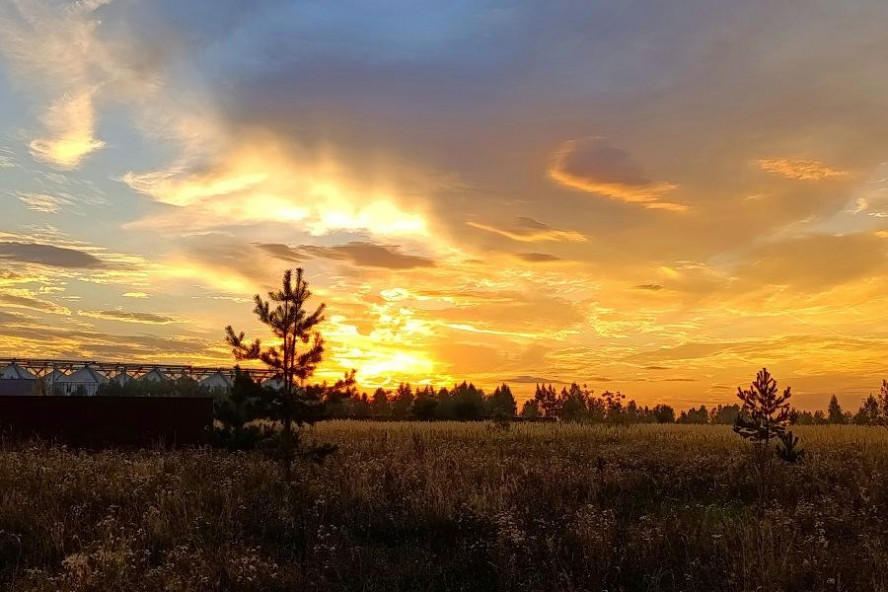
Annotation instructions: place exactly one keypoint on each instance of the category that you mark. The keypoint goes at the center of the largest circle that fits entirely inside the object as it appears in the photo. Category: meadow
(455, 506)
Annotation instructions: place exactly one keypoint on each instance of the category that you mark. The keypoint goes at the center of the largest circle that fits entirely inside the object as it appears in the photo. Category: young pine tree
(765, 412)
(295, 357)
(765, 415)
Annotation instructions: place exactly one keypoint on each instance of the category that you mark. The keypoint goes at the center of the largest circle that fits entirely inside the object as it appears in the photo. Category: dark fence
(17, 386)
(108, 421)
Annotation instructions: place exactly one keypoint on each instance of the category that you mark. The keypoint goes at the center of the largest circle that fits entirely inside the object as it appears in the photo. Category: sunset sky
(655, 197)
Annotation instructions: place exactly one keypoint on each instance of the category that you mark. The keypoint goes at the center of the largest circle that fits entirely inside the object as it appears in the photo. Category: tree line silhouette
(248, 401)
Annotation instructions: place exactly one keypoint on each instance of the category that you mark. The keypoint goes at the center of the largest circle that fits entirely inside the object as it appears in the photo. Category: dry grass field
(444, 506)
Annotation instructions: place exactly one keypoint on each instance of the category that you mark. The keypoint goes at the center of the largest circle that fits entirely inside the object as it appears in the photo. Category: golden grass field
(455, 506)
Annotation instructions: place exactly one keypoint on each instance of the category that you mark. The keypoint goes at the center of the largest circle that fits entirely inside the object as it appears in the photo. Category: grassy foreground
(454, 506)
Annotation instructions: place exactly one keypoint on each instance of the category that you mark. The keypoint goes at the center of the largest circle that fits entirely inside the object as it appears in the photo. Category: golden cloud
(261, 183)
(70, 122)
(802, 170)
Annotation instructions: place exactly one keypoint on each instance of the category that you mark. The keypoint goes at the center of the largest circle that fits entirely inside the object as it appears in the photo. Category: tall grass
(462, 506)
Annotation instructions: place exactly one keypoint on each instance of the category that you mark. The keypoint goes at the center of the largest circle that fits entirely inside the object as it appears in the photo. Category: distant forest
(466, 402)
(577, 403)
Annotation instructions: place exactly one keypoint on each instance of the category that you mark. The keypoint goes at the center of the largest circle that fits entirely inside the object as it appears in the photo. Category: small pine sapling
(764, 416)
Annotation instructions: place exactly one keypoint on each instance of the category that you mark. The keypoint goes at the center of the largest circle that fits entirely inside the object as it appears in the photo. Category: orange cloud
(802, 170)
(593, 166)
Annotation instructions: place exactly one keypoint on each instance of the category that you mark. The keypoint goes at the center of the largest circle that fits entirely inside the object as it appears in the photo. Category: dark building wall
(108, 421)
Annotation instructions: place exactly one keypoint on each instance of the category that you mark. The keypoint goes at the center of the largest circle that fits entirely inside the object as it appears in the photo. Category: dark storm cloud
(362, 254)
(48, 255)
(594, 159)
(281, 251)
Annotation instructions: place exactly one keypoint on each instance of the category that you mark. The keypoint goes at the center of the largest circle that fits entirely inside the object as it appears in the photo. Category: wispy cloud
(802, 170)
(45, 203)
(7, 158)
(25, 299)
(145, 318)
(70, 122)
(528, 230)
